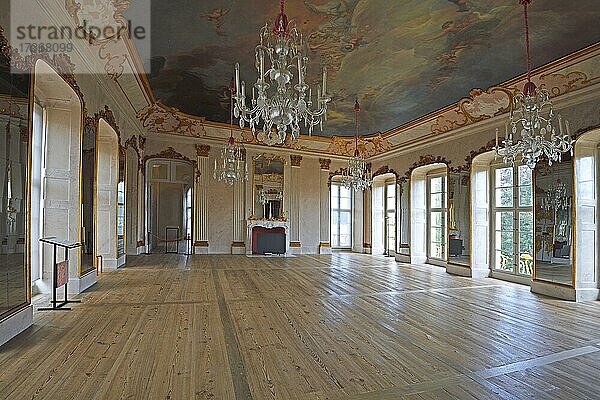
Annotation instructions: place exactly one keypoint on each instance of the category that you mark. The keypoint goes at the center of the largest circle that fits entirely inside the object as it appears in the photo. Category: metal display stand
(59, 305)
(176, 240)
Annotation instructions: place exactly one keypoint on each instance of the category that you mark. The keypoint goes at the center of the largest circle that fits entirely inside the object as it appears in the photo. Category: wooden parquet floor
(345, 326)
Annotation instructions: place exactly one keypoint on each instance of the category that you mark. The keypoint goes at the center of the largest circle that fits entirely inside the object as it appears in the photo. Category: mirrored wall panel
(14, 155)
(268, 184)
(554, 222)
(459, 218)
(88, 176)
(404, 218)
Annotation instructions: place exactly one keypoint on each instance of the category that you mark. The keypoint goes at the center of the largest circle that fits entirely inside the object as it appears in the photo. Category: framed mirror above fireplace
(268, 187)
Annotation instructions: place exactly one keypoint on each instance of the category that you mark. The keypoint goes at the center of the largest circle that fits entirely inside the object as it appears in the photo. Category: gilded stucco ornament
(368, 146)
(161, 119)
(170, 154)
(485, 104)
(105, 14)
(426, 160)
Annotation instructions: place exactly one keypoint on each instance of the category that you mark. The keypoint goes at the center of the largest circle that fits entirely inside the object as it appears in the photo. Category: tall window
(390, 215)
(513, 220)
(341, 216)
(436, 187)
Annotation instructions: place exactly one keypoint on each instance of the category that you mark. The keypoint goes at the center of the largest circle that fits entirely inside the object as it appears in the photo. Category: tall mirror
(88, 175)
(554, 222)
(268, 186)
(404, 218)
(14, 172)
(459, 218)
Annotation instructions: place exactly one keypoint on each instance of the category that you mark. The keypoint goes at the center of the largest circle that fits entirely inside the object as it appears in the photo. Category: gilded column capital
(296, 160)
(325, 163)
(202, 150)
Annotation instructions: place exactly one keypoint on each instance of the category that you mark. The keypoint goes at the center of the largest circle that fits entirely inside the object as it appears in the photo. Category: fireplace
(268, 240)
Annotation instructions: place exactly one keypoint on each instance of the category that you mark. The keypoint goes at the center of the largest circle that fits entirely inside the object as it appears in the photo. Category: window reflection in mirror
(459, 217)
(121, 204)
(268, 186)
(553, 222)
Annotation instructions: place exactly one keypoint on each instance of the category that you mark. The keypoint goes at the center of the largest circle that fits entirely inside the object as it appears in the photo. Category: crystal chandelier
(531, 116)
(358, 175)
(290, 100)
(556, 198)
(232, 166)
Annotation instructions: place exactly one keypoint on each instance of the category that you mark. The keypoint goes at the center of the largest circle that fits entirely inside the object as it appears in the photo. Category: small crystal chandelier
(232, 166)
(358, 175)
(531, 115)
(288, 103)
(264, 196)
(556, 197)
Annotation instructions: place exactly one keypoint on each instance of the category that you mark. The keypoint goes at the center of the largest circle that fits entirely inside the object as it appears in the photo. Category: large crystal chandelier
(231, 167)
(531, 116)
(358, 175)
(556, 197)
(278, 98)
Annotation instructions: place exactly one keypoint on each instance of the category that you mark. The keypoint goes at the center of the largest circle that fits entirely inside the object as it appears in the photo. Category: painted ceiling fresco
(401, 58)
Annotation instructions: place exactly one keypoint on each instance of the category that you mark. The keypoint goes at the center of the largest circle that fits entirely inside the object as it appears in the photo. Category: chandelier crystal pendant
(231, 167)
(281, 98)
(531, 116)
(358, 174)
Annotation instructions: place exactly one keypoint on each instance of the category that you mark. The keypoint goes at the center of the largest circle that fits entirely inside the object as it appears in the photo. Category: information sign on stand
(60, 273)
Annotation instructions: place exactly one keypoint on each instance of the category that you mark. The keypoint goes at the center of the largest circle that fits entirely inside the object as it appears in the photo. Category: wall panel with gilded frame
(15, 138)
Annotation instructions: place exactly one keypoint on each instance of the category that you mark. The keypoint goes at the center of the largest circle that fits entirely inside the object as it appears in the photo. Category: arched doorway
(170, 205)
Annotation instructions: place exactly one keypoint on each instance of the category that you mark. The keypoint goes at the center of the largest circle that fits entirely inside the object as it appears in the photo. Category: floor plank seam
(236, 363)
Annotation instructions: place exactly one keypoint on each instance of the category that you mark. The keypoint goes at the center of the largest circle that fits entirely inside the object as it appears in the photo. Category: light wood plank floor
(310, 327)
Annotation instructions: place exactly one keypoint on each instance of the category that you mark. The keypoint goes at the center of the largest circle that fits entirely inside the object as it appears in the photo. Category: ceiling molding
(571, 74)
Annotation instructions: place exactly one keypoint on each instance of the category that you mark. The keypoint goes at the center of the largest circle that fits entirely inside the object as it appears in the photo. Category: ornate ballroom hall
(319, 199)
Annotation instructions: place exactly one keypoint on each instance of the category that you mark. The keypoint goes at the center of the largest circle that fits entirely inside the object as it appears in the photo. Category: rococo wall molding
(485, 104)
(112, 50)
(107, 115)
(426, 160)
(170, 154)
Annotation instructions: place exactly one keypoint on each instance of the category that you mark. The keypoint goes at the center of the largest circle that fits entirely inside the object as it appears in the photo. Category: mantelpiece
(251, 223)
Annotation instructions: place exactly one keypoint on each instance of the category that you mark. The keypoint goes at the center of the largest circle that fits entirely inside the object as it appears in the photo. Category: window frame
(516, 209)
(443, 209)
(391, 243)
(340, 210)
